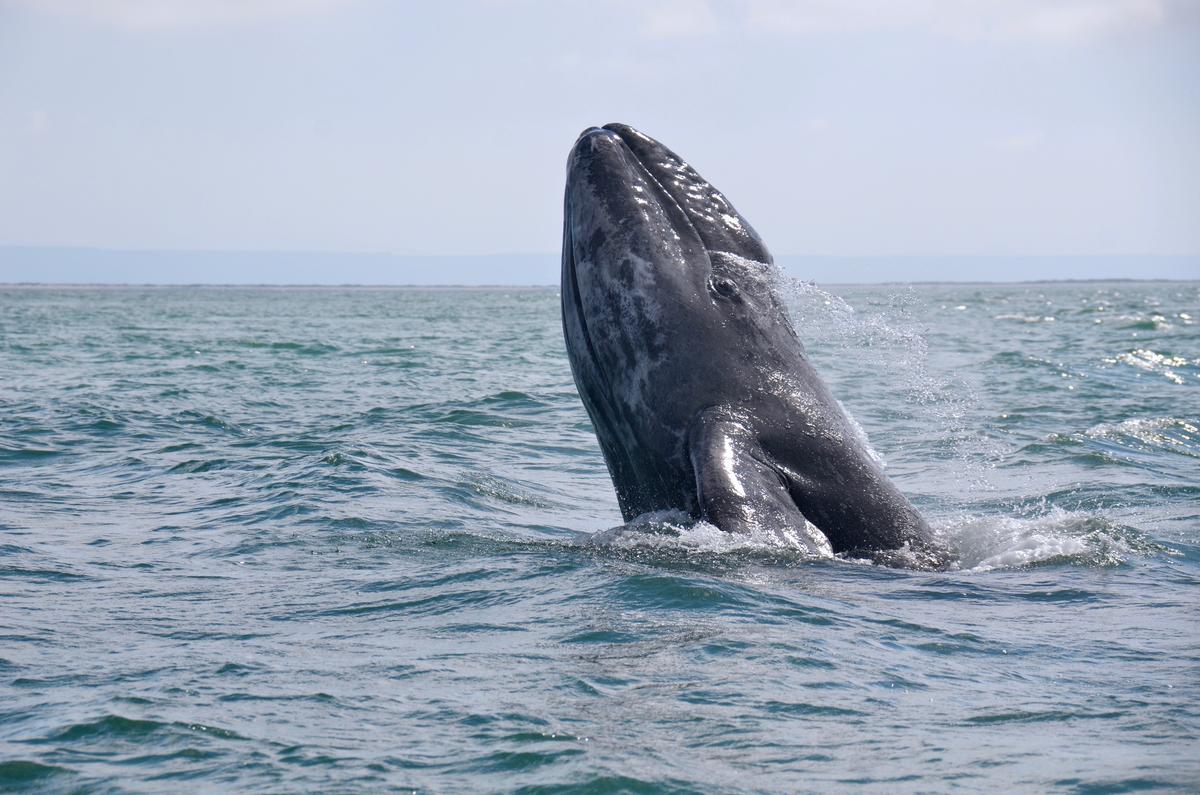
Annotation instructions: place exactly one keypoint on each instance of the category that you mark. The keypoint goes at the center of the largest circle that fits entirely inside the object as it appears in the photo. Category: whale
(702, 396)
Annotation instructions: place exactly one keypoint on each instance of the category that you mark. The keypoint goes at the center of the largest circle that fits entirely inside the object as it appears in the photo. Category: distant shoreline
(533, 287)
(46, 265)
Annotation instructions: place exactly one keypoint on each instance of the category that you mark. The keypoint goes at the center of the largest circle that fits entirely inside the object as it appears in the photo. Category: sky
(839, 128)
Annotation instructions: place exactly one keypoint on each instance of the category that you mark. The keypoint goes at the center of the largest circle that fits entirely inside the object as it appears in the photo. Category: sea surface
(360, 540)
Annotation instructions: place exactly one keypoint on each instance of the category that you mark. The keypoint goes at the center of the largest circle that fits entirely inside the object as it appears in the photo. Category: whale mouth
(657, 165)
(690, 202)
(606, 155)
(571, 296)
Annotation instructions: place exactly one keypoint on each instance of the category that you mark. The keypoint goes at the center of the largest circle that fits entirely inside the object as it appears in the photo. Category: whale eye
(722, 287)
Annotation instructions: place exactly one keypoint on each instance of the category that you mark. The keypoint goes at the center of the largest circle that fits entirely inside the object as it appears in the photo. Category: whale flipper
(739, 490)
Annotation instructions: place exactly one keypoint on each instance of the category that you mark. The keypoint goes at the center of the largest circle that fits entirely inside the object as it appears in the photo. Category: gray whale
(701, 394)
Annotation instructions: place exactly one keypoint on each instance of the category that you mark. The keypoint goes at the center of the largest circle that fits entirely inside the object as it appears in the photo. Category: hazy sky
(838, 127)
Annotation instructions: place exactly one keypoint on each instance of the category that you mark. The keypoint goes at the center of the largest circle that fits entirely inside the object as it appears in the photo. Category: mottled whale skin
(701, 394)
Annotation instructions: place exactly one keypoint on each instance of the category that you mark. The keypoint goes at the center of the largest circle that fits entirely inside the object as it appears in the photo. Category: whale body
(700, 392)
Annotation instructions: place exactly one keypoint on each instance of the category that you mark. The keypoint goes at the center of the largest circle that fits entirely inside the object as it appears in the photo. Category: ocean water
(353, 540)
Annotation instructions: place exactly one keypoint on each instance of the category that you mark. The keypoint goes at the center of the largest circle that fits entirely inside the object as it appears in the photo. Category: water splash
(1057, 536)
(678, 532)
(886, 342)
(977, 543)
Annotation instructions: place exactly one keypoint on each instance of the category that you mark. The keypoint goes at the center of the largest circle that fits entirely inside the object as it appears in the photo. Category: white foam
(977, 543)
(991, 542)
(1026, 318)
(1173, 368)
(1157, 433)
(675, 530)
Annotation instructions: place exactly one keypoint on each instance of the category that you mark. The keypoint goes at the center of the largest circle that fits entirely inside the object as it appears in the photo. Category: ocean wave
(1150, 434)
(1175, 369)
(1026, 318)
(505, 490)
(1142, 322)
(25, 773)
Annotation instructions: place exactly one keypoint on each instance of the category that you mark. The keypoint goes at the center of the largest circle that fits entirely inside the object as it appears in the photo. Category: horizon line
(381, 253)
(551, 286)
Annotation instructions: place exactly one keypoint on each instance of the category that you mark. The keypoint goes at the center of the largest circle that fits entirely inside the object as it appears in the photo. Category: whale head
(668, 299)
(648, 237)
(660, 269)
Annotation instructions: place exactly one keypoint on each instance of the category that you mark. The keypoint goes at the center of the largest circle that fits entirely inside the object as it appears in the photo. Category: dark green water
(340, 540)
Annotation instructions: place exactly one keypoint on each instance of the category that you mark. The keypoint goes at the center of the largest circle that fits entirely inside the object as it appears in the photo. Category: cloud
(965, 19)
(1039, 20)
(1081, 19)
(37, 122)
(673, 18)
(1053, 20)
(170, 14)
(1018, 142)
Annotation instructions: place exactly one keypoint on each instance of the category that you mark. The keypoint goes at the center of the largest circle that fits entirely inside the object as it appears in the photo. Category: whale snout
(611, 144)
(594, 147)
(617, 158)
(587, 133)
